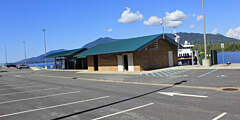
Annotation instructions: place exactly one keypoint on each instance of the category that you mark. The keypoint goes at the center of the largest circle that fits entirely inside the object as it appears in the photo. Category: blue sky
(72, 23)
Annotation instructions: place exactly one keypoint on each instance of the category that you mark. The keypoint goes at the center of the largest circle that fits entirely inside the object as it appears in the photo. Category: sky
(71, 24)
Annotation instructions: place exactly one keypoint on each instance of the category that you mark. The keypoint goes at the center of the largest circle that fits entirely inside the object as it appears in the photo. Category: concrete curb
(232, 66)
(112, 73)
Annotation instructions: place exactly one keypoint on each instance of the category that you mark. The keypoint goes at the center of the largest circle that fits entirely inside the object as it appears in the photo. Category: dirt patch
(230, 89)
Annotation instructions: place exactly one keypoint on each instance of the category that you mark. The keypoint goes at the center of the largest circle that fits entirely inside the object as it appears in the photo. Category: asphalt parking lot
(167, 95)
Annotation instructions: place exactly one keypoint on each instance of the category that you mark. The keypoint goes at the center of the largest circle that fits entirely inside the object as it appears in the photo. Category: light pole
(6, 58)
(163, 28)
(205, 63)
(177, 39)
(25, 52)
(45, 47)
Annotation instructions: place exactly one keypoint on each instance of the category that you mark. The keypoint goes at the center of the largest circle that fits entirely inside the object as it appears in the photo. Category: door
(170, 58)
(95, 60)
(125, 61)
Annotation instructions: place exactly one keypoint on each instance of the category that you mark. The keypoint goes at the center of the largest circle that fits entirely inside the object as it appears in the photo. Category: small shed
(133, 54)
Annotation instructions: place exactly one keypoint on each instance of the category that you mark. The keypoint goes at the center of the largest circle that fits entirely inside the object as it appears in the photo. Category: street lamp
(6, 56)
(205, 62)
(25, 52)
(45, 47)
(177, 39)
(163, 28)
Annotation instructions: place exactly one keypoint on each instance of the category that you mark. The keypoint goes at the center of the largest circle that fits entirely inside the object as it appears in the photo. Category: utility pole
(6, 56)
(222, 46)
(25, 52)
(177, 39)
(163, 28)
(205, 63)
(45, 47)
(163, 31)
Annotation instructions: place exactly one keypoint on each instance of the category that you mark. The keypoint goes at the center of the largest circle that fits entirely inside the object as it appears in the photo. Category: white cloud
(171, 20)
(175, 16)
(174, 19)
(194, 15)
(192, 26)
(234, 33)
(130, 17)
(199, 17)
(173, 24)
(108, 30)
(215, 31)
(153, 20)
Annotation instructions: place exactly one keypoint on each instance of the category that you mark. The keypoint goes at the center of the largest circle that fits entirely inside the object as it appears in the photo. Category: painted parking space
(189, 103)
(123, 111)
(43, 102)
(164, 74)
(51, 107)
(207, 73)
(145, 111)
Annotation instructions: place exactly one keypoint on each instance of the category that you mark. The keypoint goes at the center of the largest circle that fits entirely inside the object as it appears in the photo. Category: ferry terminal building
(133, 54)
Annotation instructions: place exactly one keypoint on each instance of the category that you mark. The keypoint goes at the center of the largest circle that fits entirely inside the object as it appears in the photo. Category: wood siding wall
(106, 62)
(149, 58)
(153, 58)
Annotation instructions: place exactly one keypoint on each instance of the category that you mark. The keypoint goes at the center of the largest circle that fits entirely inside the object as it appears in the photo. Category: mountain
(99, 41)
(40, 58)
(197, 38)
(193, 38)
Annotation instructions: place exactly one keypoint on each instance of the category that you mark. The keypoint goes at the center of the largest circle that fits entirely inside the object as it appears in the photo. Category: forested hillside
(231, 46)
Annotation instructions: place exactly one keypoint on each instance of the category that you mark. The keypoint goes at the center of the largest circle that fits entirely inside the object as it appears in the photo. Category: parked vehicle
(23, 66)
(10, 65)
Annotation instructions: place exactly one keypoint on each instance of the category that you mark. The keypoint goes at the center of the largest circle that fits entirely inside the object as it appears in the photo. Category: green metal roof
(66, 53)
(125, 45)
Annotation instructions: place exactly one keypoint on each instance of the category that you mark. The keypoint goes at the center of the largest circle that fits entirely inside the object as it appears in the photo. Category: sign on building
(222, 45)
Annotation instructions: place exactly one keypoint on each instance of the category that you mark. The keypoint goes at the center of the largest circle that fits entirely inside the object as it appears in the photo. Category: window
(155, 44)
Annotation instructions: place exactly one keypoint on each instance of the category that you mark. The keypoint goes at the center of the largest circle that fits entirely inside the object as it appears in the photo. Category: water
(42, 65)
(232, 57)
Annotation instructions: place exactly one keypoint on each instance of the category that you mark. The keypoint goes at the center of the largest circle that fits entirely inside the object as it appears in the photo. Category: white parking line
(153, 74)
(123, 111)
(17, 84)
(205, 74)
(29, 91)
(165, 74)
(146, 74)
(219, 116)
(22, 87)
(50, 107)
(52, 95)
(159, 74)
(10, 82)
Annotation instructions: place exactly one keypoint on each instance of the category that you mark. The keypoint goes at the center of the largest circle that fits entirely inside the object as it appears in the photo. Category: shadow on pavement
(121, 101)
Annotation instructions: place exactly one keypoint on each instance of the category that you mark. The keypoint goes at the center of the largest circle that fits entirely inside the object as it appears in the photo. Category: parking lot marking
(139, 83)
(205, 74)
(50, 107)
(17, 84)
(165, 74)
(146, 74)
(124, 111)
(153, 74)
(219, 116)
(52, 95)
(29, 91)
(22, 87)
(159, 74)
(180, 94)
